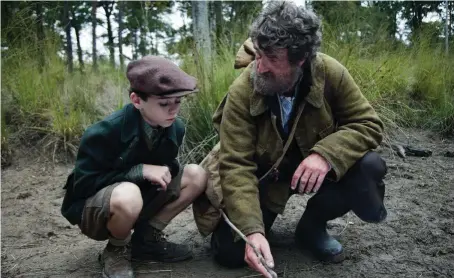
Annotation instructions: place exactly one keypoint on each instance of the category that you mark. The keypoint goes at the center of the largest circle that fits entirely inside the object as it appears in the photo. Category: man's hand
(260, 242)
(157, 175)
(311, 173)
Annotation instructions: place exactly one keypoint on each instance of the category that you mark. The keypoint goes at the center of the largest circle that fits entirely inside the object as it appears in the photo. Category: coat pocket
(263, 158)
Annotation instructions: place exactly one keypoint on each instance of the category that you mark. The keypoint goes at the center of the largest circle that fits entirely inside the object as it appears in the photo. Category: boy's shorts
(96, 212)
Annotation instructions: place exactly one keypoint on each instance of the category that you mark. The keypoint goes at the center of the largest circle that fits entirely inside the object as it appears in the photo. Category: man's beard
(269, 84)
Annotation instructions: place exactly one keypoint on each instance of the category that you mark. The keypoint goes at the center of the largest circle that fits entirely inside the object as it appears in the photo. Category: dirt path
(417, 239)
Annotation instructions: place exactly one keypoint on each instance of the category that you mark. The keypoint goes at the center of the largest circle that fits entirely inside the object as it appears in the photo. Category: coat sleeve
(95, 160)
(359, 127)
(236, 163)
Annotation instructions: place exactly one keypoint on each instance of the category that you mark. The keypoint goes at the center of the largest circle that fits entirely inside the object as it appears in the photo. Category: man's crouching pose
(294, 122)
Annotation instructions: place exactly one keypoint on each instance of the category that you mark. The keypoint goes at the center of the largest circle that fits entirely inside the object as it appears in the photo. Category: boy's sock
(119, 242)
(158, 224)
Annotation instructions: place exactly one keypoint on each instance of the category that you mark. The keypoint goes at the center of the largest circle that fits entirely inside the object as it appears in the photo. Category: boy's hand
(157, 175)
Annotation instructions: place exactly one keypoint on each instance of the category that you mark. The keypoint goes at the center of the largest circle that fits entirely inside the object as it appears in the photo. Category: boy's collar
(132, 121)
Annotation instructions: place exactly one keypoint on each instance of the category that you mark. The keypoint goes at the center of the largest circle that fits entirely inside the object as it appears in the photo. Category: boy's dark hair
(142, 95)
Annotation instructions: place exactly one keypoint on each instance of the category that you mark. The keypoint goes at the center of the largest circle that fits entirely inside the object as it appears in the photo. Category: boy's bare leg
(125, 206)
(148, 241)
(193, 183)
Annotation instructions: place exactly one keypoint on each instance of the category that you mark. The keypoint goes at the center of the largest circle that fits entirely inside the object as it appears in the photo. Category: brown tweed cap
(153, 75)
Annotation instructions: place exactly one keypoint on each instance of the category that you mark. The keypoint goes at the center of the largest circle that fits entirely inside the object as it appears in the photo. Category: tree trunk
(201, 31)
(69, 48)
(219, 19)
(450, 15)
(79, 49)
(231, 15)
(94, 6)
(417, 15)
(447, 23)
(108, 10)
(111, 42)
(143, 24)
(143, 41)
(120, 34)
(134, 44)
(40, 33)
(155, 44)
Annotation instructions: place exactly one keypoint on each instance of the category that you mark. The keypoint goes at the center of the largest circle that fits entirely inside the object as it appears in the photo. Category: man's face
(273, 72)
(157, 111)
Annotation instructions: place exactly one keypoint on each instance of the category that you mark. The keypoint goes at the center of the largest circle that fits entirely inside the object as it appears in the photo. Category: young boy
(126, 175)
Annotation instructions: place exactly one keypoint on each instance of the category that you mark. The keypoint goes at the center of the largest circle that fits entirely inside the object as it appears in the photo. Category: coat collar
(131, 125)
(314, 97)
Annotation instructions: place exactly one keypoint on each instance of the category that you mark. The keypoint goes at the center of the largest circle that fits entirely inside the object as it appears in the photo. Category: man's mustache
(266, 75)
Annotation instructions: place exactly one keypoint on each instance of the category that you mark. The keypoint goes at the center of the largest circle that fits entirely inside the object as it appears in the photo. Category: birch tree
(201, 32)
(94, 6)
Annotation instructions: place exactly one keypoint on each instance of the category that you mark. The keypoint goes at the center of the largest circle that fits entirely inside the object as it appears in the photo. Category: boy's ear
(135, 100)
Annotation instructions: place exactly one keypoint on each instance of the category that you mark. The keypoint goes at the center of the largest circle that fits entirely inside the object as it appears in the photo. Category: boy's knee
(126, 199)
(195, 177)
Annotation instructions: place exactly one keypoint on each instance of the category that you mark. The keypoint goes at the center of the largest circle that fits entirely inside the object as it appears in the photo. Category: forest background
(63, 62)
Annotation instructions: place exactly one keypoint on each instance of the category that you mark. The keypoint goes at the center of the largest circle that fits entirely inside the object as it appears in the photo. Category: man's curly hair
(285, 25)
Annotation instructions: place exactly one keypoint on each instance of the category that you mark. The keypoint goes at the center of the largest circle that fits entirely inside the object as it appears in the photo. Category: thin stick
(154, 271)
(256, 251)
(345, 228)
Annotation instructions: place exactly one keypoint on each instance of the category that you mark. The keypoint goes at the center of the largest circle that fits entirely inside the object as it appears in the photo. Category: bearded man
(294, 122)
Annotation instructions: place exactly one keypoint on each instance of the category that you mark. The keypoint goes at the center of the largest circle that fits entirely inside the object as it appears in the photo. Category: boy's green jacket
(114, 150)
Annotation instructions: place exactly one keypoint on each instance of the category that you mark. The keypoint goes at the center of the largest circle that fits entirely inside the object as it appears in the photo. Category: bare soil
(416, 240)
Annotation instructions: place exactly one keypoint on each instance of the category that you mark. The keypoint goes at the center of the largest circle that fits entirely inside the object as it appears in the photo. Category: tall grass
(49, 107)
(408, 85)
(199, 109)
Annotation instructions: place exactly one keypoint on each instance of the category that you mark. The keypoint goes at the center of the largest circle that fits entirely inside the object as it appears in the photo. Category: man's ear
(135, 100)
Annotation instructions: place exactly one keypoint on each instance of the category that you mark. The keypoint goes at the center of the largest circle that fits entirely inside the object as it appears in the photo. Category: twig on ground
(345, 228)
(442, 166)
(22, 246)
(399, 150)
(14, 266)
(144, 263)
(154, 271)
(257, 253)
(431, 175)
(45, 273)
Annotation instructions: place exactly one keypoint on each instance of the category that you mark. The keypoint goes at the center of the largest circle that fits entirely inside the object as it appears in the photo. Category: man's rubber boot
(150, 244)
(115, 261)
(311, 235)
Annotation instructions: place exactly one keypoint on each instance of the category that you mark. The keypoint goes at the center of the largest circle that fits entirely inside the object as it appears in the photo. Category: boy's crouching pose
(127, 176)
